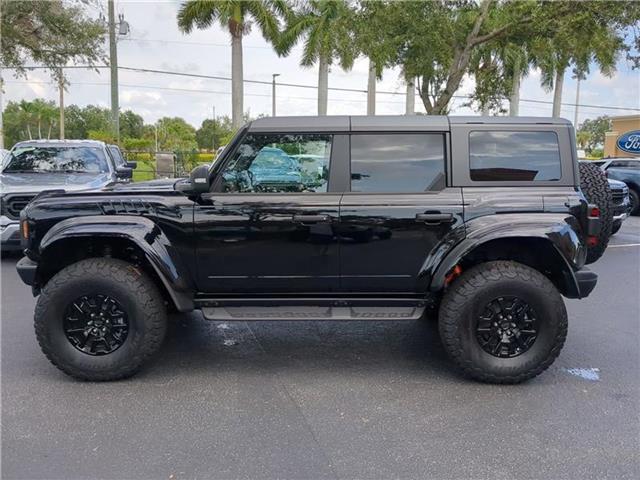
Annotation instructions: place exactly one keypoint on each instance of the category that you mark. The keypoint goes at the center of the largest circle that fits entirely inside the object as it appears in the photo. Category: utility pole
(213, 137)
(113, 63)
(61, 91)
(273, 93)
(1, 112)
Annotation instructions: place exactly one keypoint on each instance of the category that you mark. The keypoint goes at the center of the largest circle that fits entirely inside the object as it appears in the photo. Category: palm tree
(326, 26)
(599, 43)
(236, 16)
(49, 116)
(27, 112)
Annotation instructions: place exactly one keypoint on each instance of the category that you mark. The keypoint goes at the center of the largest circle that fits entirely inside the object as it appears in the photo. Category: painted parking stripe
(625, 245)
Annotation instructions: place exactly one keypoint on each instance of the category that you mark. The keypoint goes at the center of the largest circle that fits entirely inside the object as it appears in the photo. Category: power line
(197, 90)
(314, 87)
(188, 42)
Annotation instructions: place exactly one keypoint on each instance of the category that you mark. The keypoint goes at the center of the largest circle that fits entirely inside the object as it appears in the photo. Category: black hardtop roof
(388, 123)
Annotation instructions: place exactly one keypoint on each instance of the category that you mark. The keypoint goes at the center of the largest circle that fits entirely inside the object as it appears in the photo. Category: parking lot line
(625, 245)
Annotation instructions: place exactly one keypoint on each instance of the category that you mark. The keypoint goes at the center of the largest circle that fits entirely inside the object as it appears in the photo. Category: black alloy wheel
(96, 324)
(507, 327)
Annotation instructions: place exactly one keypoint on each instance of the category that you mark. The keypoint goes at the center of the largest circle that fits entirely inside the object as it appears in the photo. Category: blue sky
(156, 43)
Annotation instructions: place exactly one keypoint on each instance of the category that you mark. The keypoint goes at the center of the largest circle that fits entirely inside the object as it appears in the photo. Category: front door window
(278, 163)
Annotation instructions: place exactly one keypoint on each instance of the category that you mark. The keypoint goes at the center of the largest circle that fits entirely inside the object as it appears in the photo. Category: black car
(620, 202)
(37, 165)
(625, 170)
(481, 220)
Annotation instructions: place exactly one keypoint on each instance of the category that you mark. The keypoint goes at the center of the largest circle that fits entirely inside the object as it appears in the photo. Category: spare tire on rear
(595, 187)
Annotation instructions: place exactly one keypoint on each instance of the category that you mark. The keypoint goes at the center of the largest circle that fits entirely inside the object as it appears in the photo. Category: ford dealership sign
(630, 142)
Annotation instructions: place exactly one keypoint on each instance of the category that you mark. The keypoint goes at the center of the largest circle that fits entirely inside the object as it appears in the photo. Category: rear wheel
(615, 226)
(100, 319)
(595, 187)
(502, 322)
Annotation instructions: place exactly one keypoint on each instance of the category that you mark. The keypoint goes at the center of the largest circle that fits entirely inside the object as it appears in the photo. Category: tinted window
(514, 156)
(57, 159)
(399, 163)
(279, 163)
(117, 156)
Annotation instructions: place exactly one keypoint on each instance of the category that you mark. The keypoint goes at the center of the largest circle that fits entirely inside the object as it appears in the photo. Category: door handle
(434, 218)
(311, 218)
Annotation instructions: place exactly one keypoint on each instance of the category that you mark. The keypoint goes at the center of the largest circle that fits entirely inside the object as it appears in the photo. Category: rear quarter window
(514, 156)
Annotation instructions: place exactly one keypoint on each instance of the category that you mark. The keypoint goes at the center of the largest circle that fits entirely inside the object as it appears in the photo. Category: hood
(162, 185)
(37, 182)
(616, 185)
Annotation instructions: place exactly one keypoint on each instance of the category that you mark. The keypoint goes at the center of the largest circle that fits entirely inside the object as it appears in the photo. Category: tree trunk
(29, 132)
(485, 111)
(557, 92)
(514, 98)
(410, 100)
(39, 128)
(371, 89)
(323, 85)
(237, 80)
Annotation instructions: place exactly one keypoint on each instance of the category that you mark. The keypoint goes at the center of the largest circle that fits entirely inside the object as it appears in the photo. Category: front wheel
(100, 319)
(502, 322)
(634, 198)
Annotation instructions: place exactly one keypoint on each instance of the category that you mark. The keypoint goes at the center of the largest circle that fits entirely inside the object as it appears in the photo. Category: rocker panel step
(311, 313)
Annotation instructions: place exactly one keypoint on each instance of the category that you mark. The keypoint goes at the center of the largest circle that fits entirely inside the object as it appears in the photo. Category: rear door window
(397, 163)
(514, 156)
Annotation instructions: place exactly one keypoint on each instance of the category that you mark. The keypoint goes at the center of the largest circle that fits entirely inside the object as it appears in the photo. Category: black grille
(617, 196)
(12, 205)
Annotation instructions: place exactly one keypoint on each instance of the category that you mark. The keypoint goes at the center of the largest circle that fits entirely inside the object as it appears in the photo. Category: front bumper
(27, 270)
(586, 281)
(9, 234)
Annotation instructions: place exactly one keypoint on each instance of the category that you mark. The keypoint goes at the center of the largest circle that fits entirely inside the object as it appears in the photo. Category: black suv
(480, 220)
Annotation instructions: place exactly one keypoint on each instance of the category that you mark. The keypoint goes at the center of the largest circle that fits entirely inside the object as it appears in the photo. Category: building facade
(624, 138)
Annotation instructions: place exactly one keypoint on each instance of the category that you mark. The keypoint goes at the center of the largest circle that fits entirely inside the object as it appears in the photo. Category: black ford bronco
(481, 220)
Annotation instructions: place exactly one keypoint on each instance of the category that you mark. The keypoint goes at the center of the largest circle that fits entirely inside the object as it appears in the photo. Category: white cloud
(156, 42)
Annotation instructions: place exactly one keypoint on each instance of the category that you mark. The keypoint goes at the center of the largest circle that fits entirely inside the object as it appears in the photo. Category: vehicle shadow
(196, 345)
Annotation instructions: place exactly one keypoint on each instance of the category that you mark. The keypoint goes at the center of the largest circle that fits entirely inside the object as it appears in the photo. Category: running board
(228, 313)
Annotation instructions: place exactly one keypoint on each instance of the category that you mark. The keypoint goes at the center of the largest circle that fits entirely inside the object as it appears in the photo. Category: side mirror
(199, 179)
(131, 165)
(124, 172)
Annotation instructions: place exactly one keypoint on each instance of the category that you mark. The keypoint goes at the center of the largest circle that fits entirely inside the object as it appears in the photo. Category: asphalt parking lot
(332, 400)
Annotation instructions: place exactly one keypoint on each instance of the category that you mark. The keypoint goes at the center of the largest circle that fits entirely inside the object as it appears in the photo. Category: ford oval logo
(630, 142)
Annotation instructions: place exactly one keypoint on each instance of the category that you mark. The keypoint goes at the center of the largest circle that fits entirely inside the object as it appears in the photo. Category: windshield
(56, 159)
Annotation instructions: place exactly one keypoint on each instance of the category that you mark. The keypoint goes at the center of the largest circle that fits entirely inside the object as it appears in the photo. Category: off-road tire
(615, 226)
(468, 295)
(634, 198)
(137, 294)
(595, 187)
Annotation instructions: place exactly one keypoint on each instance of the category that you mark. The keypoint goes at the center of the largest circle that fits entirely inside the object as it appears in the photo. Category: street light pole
(61, 92)
(273, 93)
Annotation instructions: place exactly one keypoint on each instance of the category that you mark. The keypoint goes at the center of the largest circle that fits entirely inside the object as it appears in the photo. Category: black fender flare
(141, 231)
(559, 230)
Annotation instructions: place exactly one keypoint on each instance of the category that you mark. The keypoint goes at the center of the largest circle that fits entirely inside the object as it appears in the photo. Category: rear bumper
(27, 270)
(586, 281)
